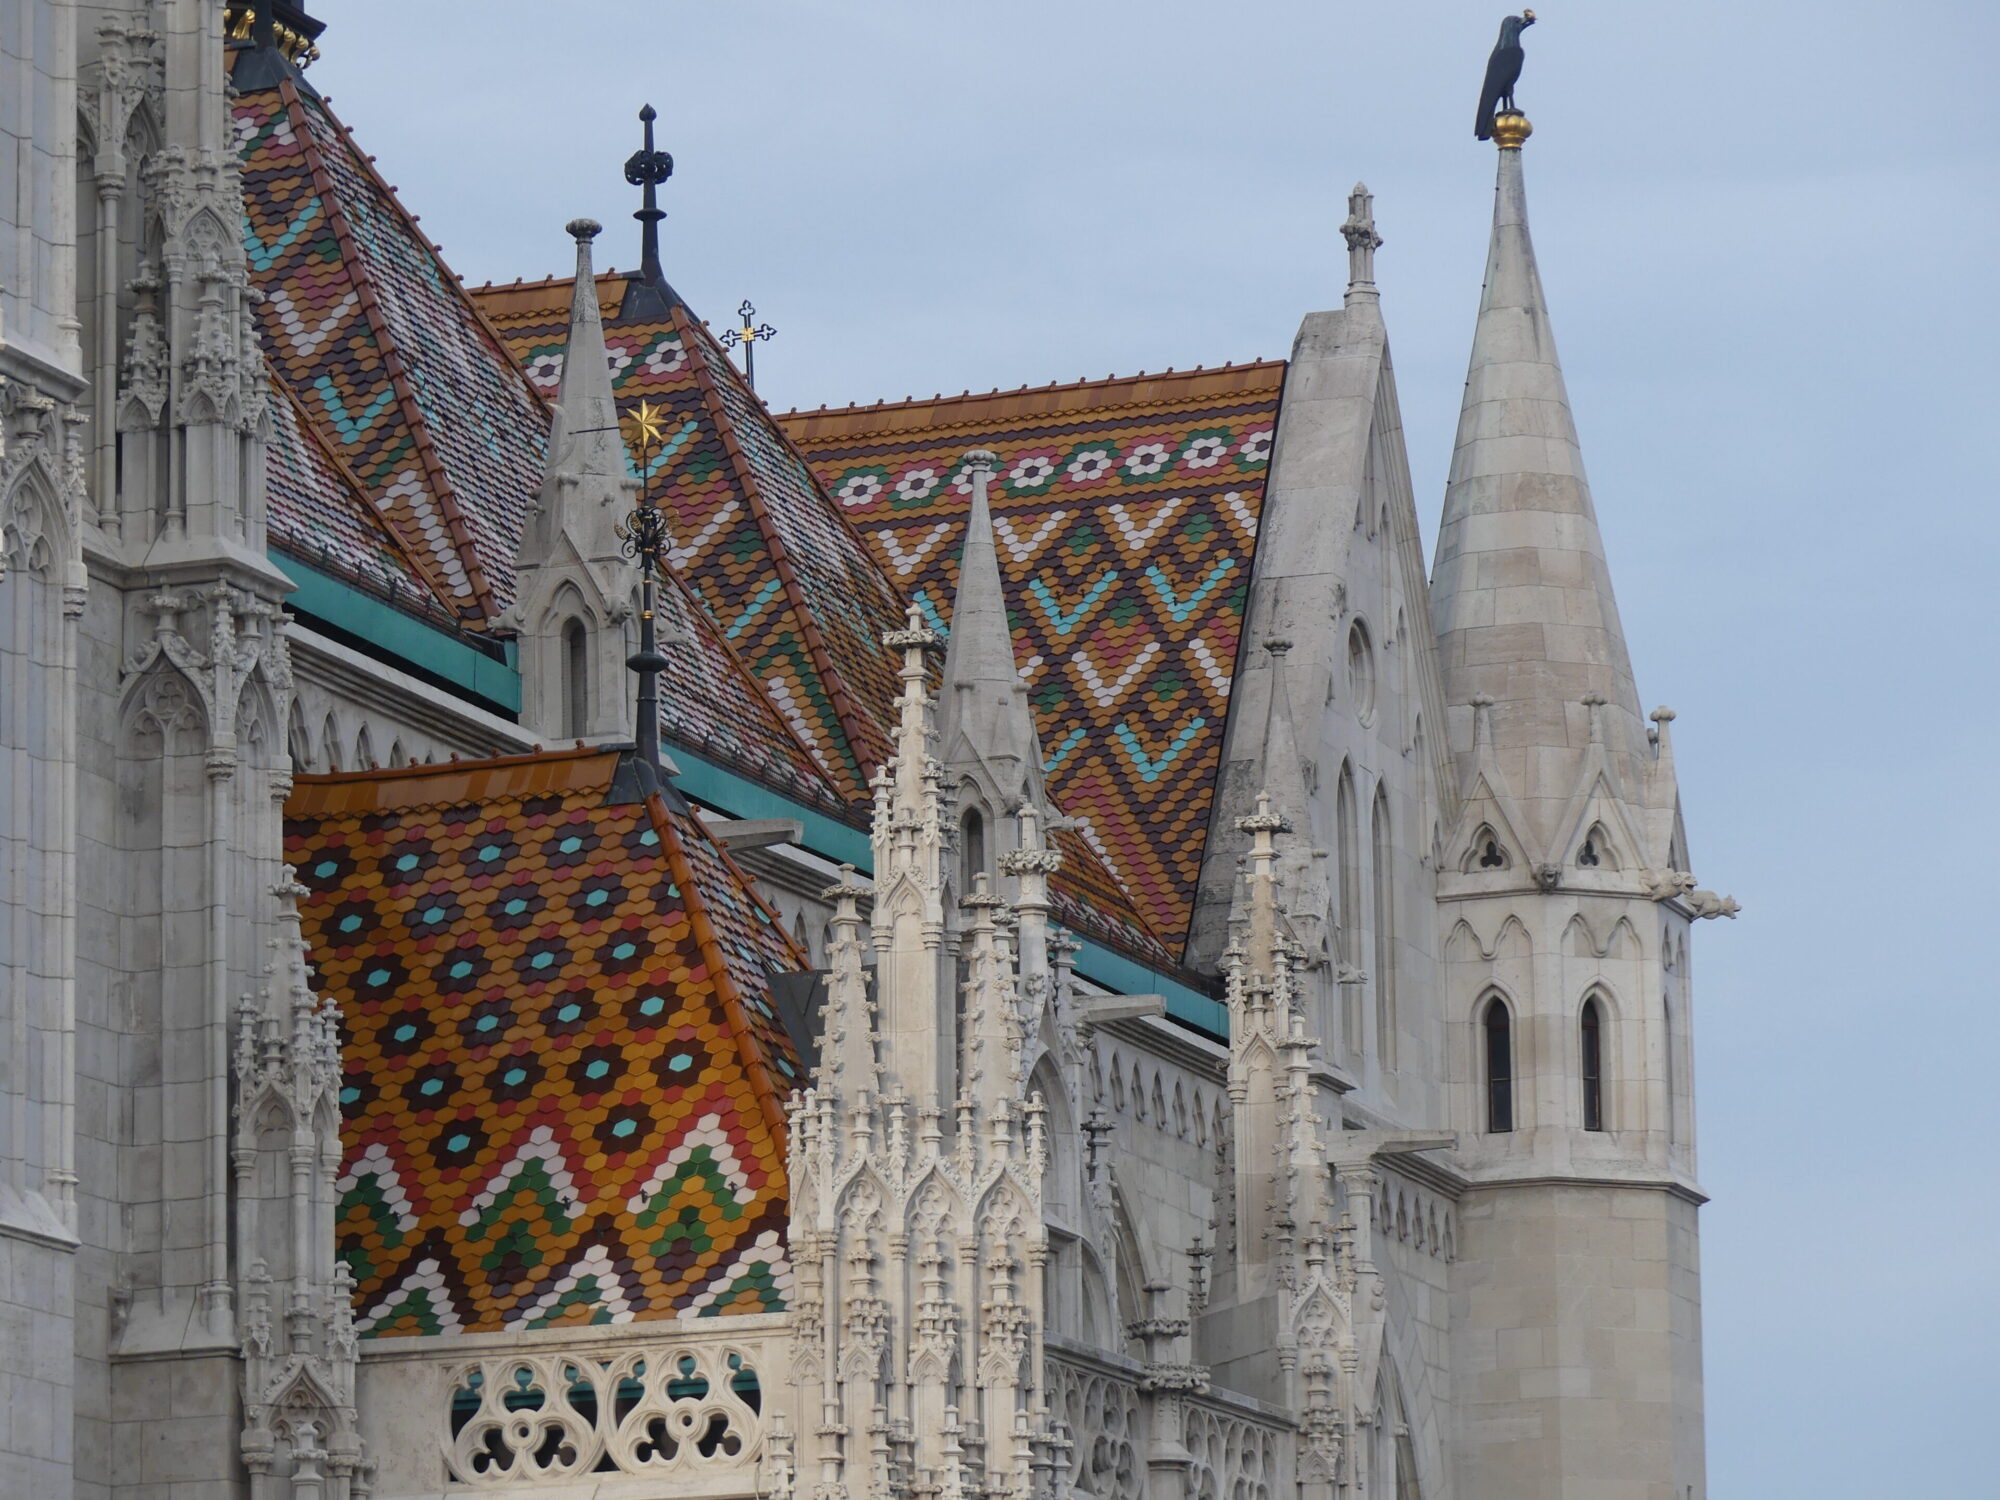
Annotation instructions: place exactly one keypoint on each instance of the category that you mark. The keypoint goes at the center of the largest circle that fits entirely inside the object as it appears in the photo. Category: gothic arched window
(1592, 1028)
(576, 679)
(971, 850)
(1496, 1029)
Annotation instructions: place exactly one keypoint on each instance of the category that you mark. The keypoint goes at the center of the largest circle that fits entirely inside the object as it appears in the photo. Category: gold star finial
(649, 423)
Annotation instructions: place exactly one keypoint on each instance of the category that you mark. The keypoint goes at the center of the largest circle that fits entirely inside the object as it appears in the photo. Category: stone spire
(988, 729)
(1521, 593)
(584, 438)
(574, 582)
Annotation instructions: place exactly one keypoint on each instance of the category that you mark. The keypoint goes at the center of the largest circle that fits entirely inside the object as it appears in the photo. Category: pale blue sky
(1767, 229)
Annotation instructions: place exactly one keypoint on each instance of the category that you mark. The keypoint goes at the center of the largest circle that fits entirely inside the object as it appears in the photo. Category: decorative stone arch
(364, 749)
(36, 532)
(1486, 851)
(1597, 850)
(330, 743)
(162, 712)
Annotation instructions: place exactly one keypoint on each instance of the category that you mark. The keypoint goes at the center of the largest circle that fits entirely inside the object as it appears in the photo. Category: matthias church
(570, 935)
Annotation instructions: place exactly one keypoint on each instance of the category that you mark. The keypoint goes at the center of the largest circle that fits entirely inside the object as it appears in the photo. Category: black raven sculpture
(1503, 71)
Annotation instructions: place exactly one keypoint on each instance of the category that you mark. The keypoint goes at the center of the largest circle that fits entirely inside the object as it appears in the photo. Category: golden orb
(1510, 130)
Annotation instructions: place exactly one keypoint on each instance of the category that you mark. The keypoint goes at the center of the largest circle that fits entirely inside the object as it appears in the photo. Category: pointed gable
(1126, 514)
(563, 1063)
(795, 592)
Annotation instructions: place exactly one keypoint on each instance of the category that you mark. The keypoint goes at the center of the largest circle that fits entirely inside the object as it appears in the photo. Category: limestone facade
(1423, 1223)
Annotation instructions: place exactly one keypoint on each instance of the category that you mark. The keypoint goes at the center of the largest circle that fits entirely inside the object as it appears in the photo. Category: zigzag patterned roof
(564, 1074)
(388, 357)
(1126, 511)
(794, 589)
(781, 570)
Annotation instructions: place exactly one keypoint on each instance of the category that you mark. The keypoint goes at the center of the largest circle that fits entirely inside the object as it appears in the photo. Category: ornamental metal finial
(749, 336)
(645, 540)
(1503, 71)
(647, 168)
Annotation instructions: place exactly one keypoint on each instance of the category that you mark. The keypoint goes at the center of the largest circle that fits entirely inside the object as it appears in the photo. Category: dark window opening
(576, 682)
(1498, 1029)
(1588, 855)
(1491, 858)
(972, 850)
(1593, 1066)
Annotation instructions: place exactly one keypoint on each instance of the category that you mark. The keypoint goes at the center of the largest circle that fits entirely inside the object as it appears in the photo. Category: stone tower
(1564, 921)
(173, 1129)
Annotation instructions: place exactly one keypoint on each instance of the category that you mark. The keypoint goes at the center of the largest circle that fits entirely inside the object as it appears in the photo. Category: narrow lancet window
(1592, 1026)
(576, 681)
(1498, 1033)
(971, 851)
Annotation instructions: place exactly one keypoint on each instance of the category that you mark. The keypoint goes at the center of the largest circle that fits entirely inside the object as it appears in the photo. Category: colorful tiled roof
(1126, 511)
(564, 1072)
(319, 512)
(795, 590)
(389, 358)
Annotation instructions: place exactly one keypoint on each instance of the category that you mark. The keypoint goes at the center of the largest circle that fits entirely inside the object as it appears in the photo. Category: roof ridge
(366, 163)
(844, 702)
(1081, 384)
(392, 358)
(770, 1093)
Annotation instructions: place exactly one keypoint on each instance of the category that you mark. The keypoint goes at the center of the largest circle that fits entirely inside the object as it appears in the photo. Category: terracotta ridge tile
(1208, 375)
(860, 742)
(392, 359)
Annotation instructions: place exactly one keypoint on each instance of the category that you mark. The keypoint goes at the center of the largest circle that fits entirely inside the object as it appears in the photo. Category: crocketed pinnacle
(983, 710)
(584, 438)
(1521, 594)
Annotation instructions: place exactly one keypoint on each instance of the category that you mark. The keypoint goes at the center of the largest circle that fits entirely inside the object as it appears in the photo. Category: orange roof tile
(564, 1072)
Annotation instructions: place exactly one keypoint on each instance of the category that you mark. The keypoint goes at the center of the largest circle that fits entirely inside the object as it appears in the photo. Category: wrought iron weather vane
(749, 336)
(644, 538)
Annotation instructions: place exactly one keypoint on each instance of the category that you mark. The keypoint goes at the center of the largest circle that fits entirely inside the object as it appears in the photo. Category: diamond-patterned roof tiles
(388, 356)
(1126, 513)
(795, 591)
(564, 1072)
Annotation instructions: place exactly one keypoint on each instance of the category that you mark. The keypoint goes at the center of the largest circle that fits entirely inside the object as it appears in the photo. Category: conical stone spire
(986, 723)
(584, 439)
(1521, 593)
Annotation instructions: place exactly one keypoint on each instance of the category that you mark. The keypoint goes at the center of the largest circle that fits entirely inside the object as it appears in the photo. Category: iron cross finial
(749, 336)
(647, 168)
